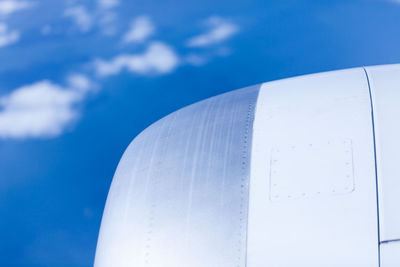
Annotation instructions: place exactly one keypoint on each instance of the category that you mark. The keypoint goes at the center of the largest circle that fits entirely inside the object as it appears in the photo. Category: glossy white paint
(329, 215)
(385, 88)
(291, 182)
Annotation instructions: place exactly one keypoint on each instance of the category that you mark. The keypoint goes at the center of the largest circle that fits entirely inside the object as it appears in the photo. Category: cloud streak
(8, 7)
(106, 4)
(141, 28)
(82, 18)
(41, 109)
(159, 58)
(219, 31)
(7, 37)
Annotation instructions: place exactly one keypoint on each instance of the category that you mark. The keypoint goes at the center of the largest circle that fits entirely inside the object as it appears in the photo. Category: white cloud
(8, 7)
(141, 28)
(159, 58)
(41, 109)
(7, 37)
(102, 18)
(219, 30)
(108, 3)
(107, 22)
(80, 83)
(82, 18)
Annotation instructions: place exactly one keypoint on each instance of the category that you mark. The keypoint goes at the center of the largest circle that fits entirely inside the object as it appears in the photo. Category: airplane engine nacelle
(297, 172)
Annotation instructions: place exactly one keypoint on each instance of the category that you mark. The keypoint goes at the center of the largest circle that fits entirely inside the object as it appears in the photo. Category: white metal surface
(390, 254)
(315, 174)
(205, 187)
(385, 87)
(179, 197)
(328, 221)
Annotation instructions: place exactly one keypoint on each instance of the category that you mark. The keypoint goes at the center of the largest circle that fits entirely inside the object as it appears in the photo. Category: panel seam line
(375, 163)
(254, 109)
(389, 241)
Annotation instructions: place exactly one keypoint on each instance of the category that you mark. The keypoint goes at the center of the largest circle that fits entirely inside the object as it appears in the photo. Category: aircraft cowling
(296, 172)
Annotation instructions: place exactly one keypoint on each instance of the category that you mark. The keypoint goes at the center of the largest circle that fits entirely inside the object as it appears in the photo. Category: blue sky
(80, 79)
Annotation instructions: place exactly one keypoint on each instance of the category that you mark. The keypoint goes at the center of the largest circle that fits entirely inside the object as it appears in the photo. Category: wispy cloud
(107, 22)
(80, 83)
(82, 18)
(8, 7)
(159, 58)
(107, 17)
(108, 3)
(141, 28)
(41, 109)
(219, 30)
(103, 17)
(7, 36)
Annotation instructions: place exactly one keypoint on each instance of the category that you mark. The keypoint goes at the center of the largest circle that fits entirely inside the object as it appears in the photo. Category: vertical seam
(375, 162)
(250, 128)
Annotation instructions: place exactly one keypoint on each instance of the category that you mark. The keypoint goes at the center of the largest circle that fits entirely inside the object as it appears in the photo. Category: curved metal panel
(180, 194)
(313, 187)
